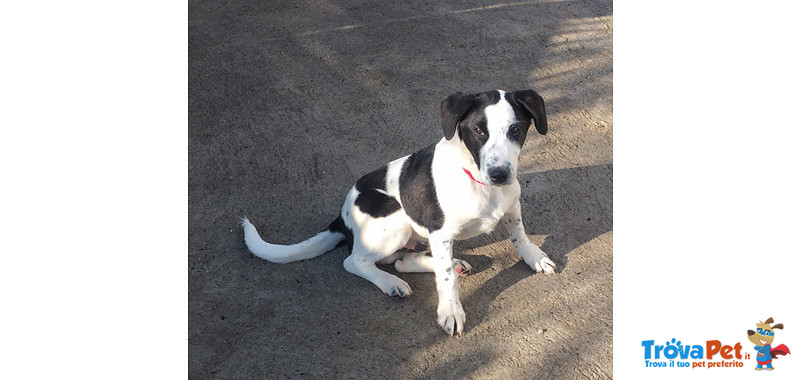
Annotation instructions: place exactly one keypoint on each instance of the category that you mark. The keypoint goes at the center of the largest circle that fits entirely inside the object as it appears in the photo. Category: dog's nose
(750, 332)
(499, 175)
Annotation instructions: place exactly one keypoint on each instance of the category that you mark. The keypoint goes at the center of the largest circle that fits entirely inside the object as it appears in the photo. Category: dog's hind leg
(362, 263)
(412, 262)
(378, 241)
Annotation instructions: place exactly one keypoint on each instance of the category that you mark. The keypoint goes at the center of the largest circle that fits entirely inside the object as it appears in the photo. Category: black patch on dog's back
(373, 199)
(417, 190)
(377, 204)
(373, 180)
(339, 226)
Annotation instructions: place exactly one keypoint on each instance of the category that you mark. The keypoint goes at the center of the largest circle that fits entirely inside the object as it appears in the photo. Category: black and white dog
(458, 188)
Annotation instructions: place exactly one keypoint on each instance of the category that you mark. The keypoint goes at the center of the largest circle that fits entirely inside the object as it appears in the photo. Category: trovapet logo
(717, 354)
(709, 355)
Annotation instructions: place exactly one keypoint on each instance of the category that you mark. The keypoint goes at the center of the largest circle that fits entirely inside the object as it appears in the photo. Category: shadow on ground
(586, 219)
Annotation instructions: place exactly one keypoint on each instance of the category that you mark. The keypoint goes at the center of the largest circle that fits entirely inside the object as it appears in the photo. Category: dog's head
(491, 127)
(764, 333)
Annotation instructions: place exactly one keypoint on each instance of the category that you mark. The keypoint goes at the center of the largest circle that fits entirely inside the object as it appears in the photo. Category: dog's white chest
(476, 227)
(483, 218)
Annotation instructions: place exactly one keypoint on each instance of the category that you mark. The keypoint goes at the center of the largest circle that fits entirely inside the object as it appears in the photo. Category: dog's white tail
(313, 247)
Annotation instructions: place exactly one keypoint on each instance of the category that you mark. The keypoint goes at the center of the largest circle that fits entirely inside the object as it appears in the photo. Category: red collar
(471, 177)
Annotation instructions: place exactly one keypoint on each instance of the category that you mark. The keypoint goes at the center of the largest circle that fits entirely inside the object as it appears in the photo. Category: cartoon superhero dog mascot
(763, 337)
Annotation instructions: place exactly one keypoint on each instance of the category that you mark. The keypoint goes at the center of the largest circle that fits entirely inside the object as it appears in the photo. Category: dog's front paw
(451, 318)
(540, 262)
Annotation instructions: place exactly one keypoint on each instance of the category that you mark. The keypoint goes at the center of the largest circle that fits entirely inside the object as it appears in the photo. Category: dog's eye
(514, 129)
(479, 131)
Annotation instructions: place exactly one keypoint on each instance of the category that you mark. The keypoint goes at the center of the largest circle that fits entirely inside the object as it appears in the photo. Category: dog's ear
(769, 321)
(778, 326)
(453, 109)
(530, 102)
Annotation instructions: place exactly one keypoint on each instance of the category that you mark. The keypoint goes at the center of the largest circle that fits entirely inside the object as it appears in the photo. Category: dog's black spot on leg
(447, 278)
(450, 269)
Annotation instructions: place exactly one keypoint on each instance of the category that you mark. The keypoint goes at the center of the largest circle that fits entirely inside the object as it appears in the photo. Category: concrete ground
(291, 102)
